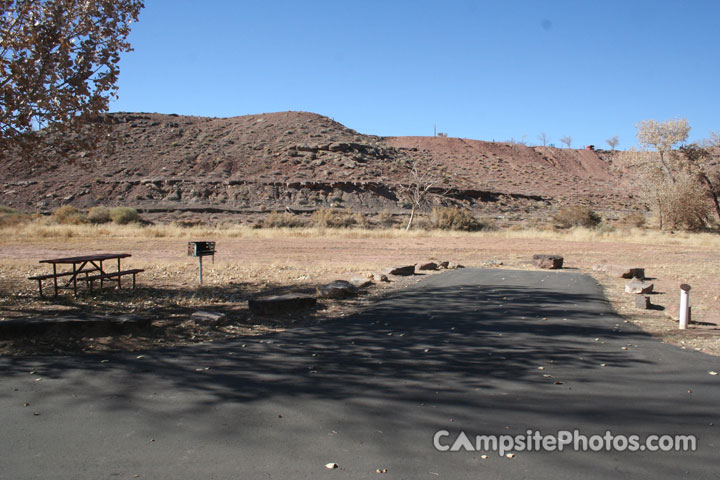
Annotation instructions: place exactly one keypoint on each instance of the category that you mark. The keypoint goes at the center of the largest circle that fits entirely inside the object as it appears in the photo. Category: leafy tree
(59, 64)
(663, 136)
(567, 140)
(704, 164)
(682, 198)
(613, 142)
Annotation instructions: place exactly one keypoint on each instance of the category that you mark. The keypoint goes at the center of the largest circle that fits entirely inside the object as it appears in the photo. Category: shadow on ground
(486, 352)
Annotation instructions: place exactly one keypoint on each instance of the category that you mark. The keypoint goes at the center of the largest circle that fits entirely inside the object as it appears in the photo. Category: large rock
(454, 266)
(209, 318)
(443, 264)
(289, 302)
(337, 289)
(403, 271)
(427, 266)
(639, 287)
(551, 262)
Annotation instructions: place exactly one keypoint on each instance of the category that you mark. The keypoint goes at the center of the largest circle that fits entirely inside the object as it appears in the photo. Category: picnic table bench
(86, 268)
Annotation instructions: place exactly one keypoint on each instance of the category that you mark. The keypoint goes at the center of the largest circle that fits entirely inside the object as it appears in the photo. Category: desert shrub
(453, 218)
(124, 215)
(576, 216)
(634, 219)
(281, 220)
(69, 215)
(99, 214)
(327, 218)
(685, 205)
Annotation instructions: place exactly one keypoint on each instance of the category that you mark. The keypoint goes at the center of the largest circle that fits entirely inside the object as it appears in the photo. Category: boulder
(642, 302)
(551, 262)
(454, 266)
(337, 289)
(639, 287)
(361, 282)
(289, 302)
(403, 271)
(427, 266)
(626, 272)
(443, 264)
(209, 318)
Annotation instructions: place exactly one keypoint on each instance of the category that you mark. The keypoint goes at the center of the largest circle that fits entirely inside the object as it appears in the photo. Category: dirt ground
(254, 264)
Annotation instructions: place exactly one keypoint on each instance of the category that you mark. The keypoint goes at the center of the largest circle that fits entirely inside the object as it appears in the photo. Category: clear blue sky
(478, 69)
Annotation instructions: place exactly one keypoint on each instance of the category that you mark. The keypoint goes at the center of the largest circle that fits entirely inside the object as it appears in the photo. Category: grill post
(200, 250)
(200, 257)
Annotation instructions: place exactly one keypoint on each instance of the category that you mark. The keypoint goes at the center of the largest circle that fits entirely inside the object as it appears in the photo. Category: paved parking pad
(484, 352)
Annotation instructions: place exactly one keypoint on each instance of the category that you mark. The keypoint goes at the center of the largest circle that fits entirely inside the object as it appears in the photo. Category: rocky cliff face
(172, 165)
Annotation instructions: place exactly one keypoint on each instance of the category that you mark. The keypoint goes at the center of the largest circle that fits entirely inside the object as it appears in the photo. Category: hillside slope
(170, 164)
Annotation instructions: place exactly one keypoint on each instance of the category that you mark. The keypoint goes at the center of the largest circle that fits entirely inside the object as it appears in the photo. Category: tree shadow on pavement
(492, 355)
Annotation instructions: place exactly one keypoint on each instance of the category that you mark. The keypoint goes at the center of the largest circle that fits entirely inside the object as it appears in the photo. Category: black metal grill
(201, 249)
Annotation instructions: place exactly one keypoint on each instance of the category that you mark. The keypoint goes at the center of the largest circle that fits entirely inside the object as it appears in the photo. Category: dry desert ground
(256, 261)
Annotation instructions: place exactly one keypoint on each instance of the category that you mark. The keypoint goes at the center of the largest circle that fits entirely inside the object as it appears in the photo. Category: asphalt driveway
(485, 352)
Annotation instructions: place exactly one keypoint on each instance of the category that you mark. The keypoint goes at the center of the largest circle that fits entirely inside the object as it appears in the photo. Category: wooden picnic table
(87, 268)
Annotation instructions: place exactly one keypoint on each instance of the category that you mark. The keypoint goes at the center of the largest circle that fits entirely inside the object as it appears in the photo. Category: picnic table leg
(40, 288)
(55, 278)
(102, 272)
(75, 278)
(119, 276)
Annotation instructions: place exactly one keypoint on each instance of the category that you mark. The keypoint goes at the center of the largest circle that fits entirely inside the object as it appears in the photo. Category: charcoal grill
(200, 250)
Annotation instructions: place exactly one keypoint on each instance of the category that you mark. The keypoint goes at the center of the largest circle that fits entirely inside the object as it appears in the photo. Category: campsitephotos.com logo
(572, 440)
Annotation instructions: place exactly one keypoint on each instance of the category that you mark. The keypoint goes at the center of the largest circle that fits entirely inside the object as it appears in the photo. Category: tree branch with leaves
(59, 64)
(663, 136)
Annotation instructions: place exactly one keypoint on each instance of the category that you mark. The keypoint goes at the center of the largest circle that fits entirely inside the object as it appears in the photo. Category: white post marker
(684, 306)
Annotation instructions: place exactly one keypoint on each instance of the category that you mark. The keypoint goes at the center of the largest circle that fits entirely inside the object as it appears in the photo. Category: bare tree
(543, 138)
(613, 142)
(59, 63)
(422, 176)
(663, 136)
(567, 140)
(714, 140)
